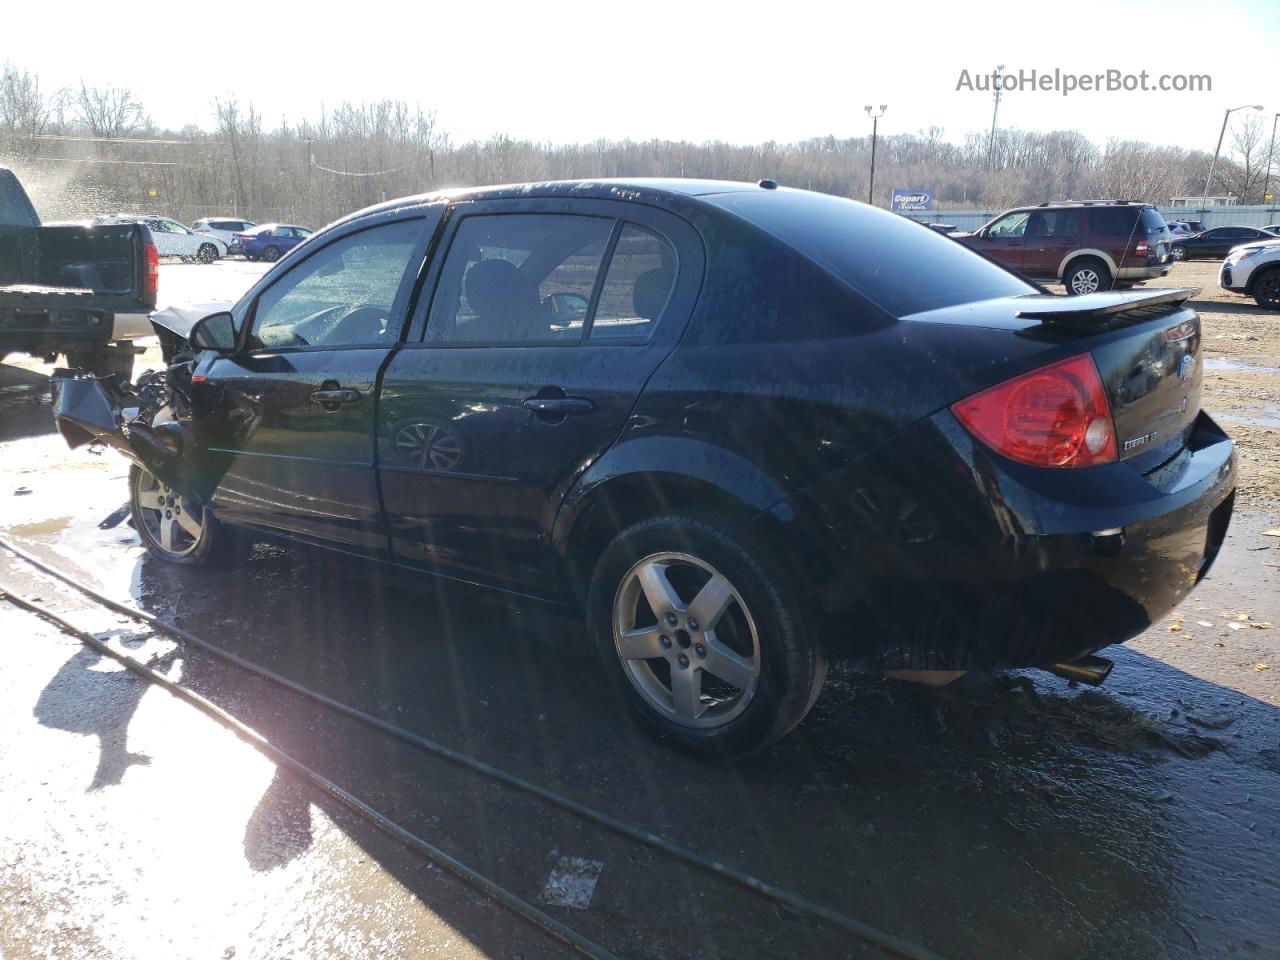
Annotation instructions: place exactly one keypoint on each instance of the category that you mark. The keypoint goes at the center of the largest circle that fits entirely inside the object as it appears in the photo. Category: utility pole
(1226, 117)
(995, 112)
(1271, 152)
(875, 123)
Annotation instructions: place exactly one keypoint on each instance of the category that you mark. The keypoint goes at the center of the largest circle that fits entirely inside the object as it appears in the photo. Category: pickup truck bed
(72, 289)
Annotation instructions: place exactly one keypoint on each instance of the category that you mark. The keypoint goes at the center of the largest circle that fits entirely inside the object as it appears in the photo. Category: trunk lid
(1146, 345)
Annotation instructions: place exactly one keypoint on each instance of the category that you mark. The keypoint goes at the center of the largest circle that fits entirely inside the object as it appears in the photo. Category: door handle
(559, 407)
(332, 397)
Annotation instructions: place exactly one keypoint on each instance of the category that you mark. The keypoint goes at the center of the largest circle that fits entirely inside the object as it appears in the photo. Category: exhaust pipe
(1091, 670)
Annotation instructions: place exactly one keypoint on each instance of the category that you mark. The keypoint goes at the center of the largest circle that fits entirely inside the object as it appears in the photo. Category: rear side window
(1053, 223)
(518, 278)
(637, 285)
(1113, 221)
(897, 264)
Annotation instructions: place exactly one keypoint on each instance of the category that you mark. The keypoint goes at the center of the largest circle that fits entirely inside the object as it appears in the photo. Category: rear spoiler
(1098, 306)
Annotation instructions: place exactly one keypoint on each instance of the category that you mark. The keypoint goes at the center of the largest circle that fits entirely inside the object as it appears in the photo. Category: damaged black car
(712, 414)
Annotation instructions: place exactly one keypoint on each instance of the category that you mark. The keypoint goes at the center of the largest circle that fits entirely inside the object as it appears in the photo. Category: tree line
(92, 150)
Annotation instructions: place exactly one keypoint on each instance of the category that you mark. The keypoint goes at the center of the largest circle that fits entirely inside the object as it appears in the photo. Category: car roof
(659, 190)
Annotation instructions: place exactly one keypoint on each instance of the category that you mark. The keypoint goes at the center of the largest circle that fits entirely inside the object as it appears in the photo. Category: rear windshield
(1151, 220)
(899, 265)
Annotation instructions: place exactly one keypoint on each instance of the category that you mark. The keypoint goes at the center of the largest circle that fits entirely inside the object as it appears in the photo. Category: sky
(743, 72)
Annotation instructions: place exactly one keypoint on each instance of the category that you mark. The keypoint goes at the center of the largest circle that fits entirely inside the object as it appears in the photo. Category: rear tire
(1085, 276)
(1266, 289)
(729, 686)
(163, 519)
(1178, 252)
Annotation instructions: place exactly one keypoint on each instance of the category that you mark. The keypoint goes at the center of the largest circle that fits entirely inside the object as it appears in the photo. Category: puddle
(1270, 417)
(45, 528)
(1222, 363)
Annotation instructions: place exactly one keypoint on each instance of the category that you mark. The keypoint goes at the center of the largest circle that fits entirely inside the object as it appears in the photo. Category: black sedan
(718, 417)
(1217, 243)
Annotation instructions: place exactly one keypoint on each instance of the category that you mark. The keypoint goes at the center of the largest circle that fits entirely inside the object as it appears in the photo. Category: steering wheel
(362, 323)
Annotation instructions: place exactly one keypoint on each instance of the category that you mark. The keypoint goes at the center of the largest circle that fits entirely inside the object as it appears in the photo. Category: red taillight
(150, 273)
(1141, 249)
(1057, 416)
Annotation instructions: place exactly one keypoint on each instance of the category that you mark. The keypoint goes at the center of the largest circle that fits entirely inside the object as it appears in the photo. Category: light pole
(1271, 152)
(1216, 150)
(875, 123)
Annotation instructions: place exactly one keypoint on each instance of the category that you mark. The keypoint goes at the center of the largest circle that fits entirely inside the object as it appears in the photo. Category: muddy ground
(1009, 816)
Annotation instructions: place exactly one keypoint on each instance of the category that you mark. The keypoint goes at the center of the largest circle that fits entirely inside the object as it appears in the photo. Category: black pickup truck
(80, 291)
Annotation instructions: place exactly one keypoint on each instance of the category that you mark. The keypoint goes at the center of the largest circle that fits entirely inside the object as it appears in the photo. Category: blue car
(271, 241)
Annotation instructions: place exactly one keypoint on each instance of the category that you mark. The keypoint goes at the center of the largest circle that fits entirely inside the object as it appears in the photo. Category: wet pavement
(1001, 817)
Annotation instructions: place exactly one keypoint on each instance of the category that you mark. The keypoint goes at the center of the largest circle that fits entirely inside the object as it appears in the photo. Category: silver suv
(1253, 269)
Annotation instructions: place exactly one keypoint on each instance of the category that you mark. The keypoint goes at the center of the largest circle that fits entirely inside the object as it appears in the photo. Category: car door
(185, 243)
(165, 241)
(291, 433)
(1213, 244)
(1050, 235)
(546, 320)
(1004, 241)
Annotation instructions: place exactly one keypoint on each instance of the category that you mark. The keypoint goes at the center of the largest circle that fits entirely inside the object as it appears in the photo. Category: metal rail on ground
(895, 946)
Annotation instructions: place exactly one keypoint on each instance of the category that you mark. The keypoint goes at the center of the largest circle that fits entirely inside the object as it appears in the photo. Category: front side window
(518, 278)
(637, 286)
(340, 296)
(1013, 225)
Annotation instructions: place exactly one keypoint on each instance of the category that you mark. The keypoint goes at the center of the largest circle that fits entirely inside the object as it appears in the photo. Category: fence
(1241, 216)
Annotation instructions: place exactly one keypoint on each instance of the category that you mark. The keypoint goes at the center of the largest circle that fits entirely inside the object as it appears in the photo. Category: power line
(347, 173)
(180, 143)
(131, 163)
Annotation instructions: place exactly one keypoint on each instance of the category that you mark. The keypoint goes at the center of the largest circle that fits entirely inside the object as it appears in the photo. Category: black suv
(712, 415)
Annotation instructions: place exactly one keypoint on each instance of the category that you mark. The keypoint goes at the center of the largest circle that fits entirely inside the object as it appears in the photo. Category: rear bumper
(945, 557)
(1148, 272)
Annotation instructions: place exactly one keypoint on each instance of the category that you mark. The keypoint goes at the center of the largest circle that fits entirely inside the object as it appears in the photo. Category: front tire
(714, 651)
(1266, 289)
(170, 527)
(207, 253)
(1086, 276)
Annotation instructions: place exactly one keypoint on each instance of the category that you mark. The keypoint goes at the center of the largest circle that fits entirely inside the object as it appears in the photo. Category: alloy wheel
(1178, 253)
(686, 640)
(207, 254)
(1085, 281)
(171, 523)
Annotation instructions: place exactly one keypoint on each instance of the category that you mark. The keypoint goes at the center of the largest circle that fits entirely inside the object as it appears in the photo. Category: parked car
(271, 241)
(1254, 270)
(1273, 228)
(225, 229)
(1217, 243)
(75, 290)
(1088, 245)
(1180, 229)
(173, 239)
(1188, 226)
(708, 413)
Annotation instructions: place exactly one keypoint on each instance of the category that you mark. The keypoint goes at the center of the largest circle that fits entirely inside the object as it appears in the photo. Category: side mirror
(216, 332)
(984, 233)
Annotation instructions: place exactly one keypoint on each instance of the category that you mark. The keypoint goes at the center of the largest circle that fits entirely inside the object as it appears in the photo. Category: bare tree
(109, 112)
(1243, 172)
